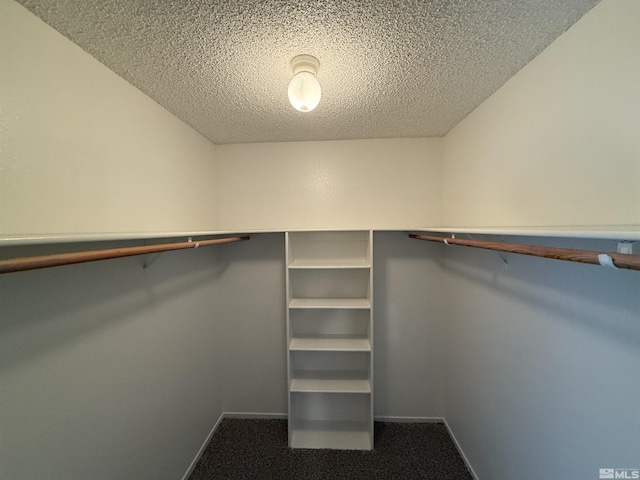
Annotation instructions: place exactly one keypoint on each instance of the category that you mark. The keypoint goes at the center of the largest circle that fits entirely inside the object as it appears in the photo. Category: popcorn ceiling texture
(387, 68)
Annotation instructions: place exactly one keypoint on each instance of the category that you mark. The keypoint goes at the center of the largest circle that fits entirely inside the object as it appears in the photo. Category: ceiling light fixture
(304, 89)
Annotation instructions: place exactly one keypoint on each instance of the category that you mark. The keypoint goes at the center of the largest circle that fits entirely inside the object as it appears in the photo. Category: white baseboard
(379, 418)
(396, 419)
(247, 415)
(464, 457)
(202, 449)
(257, 416)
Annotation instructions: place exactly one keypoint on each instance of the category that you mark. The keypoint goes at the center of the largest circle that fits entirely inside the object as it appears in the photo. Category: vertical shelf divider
(288, 259)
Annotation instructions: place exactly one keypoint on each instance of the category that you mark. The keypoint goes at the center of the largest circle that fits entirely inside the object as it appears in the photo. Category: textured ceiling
(387, 68)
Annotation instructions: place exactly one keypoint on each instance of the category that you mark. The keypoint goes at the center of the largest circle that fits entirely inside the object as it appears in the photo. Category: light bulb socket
(305, 63)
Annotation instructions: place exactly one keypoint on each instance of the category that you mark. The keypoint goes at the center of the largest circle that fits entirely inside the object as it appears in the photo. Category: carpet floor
(257, 449)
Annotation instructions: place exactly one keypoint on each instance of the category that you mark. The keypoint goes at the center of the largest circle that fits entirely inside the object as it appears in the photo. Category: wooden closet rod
(31, 263)
(619, 260)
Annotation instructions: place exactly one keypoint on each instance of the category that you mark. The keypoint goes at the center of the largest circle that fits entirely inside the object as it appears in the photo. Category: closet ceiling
(401, 68)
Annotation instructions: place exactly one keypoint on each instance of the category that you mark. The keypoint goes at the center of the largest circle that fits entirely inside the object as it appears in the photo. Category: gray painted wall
(255, 365)
(107, 370)
(542, 365)
(407, 327)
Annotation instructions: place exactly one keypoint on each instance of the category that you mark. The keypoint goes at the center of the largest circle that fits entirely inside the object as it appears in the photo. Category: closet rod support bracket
(625, 246)
(151, 260)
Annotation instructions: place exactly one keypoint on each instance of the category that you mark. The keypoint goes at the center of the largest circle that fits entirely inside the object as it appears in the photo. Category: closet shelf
(611, 232)
(604, 232)
(330, 381)
(327, 434)
(331, 343)
(329, 264)
(362, 303)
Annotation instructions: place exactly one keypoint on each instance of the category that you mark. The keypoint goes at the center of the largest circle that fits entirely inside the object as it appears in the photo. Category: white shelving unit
(330, 339)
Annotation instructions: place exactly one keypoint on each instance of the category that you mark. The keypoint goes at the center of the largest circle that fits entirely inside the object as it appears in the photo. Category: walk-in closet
(358, 239)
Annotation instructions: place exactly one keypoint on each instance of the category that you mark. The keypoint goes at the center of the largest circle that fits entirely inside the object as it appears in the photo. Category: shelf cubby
(337, 372)
(331, 420)
(329, 248)
(342, 435)
(330, 283)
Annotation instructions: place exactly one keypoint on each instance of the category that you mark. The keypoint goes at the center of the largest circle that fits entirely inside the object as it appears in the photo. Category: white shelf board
(334, 435)
(330, 381)
(362, 303)
(329, 264)
(612, 232)
(333, 343)
(603, 232)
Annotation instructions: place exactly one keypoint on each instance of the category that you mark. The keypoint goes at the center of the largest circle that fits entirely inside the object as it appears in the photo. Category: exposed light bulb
(304, 89)
(304, 92)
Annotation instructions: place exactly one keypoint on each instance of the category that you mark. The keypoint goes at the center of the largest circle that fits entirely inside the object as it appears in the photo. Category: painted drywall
(252, 320)
(354, 184)
(542, 363)
(408, 330)
(559, 143)
(109, 370)
(83, 151)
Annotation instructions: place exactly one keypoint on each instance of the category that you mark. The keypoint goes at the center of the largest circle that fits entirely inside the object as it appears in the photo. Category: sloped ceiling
(387, 68)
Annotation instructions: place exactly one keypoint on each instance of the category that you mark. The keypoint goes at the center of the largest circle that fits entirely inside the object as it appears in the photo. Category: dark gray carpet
(257, 449)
